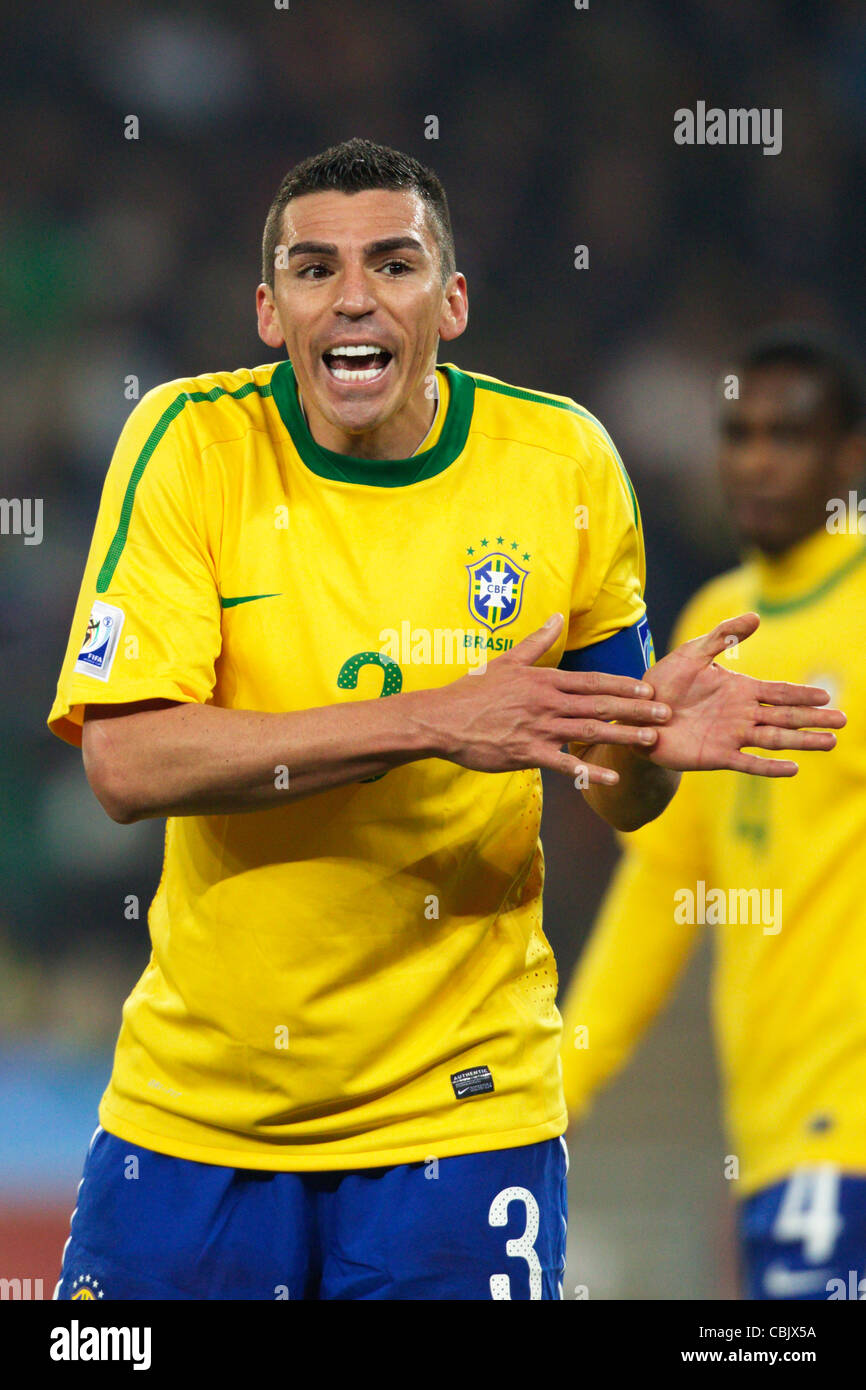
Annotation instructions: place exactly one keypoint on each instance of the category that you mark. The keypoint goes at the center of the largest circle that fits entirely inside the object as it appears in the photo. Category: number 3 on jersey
(391, 685)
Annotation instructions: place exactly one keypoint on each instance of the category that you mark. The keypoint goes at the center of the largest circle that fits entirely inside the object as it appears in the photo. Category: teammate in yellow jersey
(774, 867)
(339, 610)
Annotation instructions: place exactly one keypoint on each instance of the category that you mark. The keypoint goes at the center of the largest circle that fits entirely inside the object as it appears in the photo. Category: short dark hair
(817, 350)
(353, 167)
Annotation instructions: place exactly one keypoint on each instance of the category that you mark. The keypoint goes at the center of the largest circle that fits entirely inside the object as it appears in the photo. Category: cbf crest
(496, 589)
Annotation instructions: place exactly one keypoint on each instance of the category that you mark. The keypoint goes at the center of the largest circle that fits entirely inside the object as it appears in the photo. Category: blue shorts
(805, 1238)
(476, 1226)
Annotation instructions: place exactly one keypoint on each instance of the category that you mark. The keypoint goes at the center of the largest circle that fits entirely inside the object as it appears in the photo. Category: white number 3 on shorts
(524, 1246)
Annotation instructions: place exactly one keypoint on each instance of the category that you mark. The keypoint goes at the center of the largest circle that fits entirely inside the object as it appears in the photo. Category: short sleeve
(611, 572)
(147, 620)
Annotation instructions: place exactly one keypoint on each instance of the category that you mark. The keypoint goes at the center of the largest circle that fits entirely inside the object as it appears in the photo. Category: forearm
(643, 791)
(160, 758)
(192, 759)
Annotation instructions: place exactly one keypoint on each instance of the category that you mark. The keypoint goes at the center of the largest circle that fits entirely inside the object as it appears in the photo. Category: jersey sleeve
(607, 595)
(147, 620)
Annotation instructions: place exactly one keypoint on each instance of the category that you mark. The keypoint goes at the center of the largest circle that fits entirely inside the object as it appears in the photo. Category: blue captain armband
(628, 652)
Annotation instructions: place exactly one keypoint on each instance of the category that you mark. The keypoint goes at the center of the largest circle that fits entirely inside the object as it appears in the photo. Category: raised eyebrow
(312, 248)
(393, 243)
(373, 248)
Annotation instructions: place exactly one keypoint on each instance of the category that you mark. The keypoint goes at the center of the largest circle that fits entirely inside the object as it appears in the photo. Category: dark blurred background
(140, 257)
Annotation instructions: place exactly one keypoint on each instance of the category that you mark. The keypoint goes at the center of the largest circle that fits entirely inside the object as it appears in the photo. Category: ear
(455, 308)
(270, 331)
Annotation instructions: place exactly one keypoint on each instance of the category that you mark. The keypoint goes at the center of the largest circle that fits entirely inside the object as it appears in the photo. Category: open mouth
(357, 362)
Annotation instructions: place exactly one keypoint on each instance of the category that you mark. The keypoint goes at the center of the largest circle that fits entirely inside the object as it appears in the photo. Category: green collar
(345, 468)
(772, 608)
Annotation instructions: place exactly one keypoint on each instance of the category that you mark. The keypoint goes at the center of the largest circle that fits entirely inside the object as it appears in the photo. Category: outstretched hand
(716, 712)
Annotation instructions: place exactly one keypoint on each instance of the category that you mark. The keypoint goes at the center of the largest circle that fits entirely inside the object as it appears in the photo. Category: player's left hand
(717, 712)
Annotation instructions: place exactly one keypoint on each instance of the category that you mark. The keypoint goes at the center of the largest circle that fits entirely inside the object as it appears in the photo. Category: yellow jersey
(358, 978)
(773, 866)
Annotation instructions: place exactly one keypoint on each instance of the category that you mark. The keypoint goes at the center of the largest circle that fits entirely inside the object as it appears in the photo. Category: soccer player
(774, 866)
(338, 1076)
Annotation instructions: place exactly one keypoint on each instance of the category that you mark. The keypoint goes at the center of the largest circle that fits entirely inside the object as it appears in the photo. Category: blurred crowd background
(140, 257)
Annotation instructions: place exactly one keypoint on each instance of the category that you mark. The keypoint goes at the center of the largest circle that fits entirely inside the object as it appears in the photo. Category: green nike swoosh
(245, 598)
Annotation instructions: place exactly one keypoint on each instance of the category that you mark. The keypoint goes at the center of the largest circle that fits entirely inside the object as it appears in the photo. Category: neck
(396, 438)
(817, 542)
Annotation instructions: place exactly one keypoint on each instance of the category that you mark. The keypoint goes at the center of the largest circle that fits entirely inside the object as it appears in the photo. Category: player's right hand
(516, 714)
